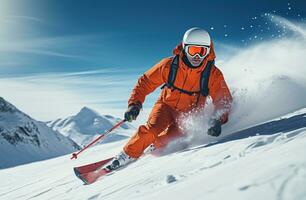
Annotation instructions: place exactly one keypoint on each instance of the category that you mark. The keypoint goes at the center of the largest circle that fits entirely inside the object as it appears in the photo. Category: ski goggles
(193, 50)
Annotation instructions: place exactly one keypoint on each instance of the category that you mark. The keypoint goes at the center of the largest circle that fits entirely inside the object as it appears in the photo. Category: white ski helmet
(196, 37)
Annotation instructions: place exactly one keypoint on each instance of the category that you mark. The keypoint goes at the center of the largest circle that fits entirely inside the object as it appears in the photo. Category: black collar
(186, 61)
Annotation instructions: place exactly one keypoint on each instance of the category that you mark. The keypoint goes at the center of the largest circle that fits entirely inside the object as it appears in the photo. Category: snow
(263, 162)
(260, 154)
(25, 140)
(87, 125)
(267, 80)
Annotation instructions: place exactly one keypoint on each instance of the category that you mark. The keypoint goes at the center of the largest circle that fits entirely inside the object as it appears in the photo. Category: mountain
(24, 140)
(262, 162)
(259, 155)
(88, 124)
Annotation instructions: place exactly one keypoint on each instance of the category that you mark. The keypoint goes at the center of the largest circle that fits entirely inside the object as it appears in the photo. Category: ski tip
(76, 171)
(79, 175)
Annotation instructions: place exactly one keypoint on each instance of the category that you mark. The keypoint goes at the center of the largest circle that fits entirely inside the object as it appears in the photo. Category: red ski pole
(75, 155)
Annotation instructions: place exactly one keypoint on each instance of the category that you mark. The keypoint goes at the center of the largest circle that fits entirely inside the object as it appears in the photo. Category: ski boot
(118, 161)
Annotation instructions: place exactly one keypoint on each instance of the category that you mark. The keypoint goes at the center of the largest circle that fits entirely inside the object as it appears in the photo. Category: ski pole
(75, 155)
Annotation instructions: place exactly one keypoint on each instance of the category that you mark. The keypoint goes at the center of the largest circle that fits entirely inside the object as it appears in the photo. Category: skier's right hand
(132, 112)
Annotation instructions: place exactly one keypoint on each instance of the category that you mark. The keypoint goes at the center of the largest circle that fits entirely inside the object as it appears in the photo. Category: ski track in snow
(262, 162)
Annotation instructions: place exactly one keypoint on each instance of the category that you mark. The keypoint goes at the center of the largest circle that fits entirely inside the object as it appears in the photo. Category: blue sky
(72, 35)
(78, 51)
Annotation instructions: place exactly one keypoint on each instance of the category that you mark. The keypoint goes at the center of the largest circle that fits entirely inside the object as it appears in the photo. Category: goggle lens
(193, 50)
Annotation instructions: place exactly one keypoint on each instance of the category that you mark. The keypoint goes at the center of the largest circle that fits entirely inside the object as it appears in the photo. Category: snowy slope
(261, 154)
(24, 140)
(87, 125)
(263, 162)
(267, 79)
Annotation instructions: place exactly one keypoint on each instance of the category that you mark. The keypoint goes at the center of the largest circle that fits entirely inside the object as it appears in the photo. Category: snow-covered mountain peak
(6, 106)
(90, 122)
(23, 139)
(87, 112)
(87, 124)
(16, 127)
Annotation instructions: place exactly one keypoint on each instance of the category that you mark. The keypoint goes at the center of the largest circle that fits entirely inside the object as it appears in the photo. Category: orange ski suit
(161, 125)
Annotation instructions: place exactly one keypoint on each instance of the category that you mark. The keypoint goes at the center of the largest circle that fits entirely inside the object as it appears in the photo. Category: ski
(91, 172)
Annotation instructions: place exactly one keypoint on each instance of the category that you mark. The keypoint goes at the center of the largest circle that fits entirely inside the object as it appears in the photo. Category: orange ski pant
(160, 128)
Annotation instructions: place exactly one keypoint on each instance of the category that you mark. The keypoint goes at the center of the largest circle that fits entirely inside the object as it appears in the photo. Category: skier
(188, 77)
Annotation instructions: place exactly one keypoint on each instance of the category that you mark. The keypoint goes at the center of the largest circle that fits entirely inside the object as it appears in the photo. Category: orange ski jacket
(187, 79)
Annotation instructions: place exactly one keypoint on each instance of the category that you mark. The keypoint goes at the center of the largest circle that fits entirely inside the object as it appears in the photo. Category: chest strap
(204, 90)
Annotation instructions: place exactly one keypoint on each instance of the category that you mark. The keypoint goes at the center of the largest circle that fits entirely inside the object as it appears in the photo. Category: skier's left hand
(215, 130)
